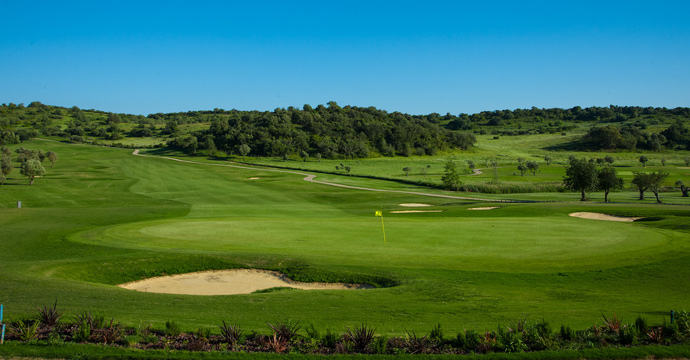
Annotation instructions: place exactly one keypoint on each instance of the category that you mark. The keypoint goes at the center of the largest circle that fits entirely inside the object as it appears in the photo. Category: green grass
(102, 216)
(106, 352)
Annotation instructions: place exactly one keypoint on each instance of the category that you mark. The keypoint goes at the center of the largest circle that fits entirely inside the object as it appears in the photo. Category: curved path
(310, 178)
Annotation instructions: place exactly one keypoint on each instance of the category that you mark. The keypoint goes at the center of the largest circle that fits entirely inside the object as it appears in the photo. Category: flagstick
(383, 228)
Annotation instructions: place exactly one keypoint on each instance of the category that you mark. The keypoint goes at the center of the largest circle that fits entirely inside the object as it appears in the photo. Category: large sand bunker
(228, 282)
(414, 205)
(598, 216)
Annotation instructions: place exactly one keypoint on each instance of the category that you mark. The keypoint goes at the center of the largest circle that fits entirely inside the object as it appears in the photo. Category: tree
(243, 150)
(581, 175)
(609, 180)
(523, 168)
(52, 156)
(643, 160)
(318, 157)
(407, 170)
(683, 188)
(470, 165)
(533, 166)
(5, 167)
(423, 172)
(687, 161)
(32, 168)
(451, 176)
(649, 181)
(304, 155)
(609, 159)
(663, 161)
(548, 159)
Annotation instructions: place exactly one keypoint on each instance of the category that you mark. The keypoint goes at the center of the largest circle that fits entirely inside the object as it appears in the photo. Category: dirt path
(310, 178)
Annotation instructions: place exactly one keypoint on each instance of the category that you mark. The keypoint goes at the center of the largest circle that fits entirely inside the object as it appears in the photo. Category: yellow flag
(378, 213)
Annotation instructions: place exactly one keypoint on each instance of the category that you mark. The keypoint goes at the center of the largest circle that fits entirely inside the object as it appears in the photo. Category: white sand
(228, 282)
(413, 211)
(485, 208)
(597, 216)
(414, 205)
(253, 178)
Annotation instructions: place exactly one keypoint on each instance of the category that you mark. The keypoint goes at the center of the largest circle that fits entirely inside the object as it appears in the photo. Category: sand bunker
(598, 216)
(485, 208)
(413, 211)
(254, 178)
(228, 282)
(414, 205)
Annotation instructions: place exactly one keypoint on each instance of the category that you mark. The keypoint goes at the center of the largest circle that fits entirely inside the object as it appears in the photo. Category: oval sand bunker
(598, 216)
(228, 282)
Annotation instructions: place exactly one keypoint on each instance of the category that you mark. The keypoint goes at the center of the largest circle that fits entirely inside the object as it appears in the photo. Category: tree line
(328, 132)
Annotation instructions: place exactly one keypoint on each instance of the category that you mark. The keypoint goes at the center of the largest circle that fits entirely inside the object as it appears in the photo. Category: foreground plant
(49, 316)
(360, 337)
(285, 330)
(231, 334)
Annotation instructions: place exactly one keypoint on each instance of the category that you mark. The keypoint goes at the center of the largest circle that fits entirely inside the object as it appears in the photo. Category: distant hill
(345, 132)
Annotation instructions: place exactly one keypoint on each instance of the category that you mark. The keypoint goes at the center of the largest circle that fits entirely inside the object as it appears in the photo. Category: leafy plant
(172, 329)
(231, 334)
(111, 333)
(49, 316)
(436, 334)
(94, 321)
(285, 330)
(415, 344)
(613, 325)
(26, 331)
(329, 339)
(655, 334)
(360, 337)
(277, 344)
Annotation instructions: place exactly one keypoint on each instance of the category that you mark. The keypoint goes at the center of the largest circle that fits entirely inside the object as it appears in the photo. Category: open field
(102, 217)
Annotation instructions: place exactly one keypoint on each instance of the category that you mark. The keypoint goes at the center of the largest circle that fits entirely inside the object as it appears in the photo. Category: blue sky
(416, 57)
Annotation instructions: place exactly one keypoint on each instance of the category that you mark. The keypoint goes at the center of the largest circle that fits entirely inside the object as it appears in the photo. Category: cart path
(310, 178)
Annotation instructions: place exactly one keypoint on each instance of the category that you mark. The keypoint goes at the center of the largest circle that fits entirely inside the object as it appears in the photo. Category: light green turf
(102, 216)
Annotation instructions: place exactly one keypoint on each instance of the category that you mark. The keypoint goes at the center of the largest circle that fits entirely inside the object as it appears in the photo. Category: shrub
(285, 330)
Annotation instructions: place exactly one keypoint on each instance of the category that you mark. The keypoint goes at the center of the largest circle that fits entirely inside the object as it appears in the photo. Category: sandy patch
(414, 205)
(253, 178)
(413, 211)
(228, 282)
(485, 208)
(598, 216)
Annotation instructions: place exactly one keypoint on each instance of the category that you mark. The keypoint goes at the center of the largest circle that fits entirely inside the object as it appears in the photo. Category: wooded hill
(348, 132)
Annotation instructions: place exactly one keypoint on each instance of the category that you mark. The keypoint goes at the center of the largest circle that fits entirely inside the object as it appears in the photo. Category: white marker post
(19, 204)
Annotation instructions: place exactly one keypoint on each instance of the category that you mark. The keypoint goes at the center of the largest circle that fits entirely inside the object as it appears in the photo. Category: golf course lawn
(102, 217)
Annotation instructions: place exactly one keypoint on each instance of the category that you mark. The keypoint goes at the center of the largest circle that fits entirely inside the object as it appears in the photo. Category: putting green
(456, 243)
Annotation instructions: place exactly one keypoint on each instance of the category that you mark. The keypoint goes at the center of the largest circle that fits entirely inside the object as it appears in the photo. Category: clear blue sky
(417, 57)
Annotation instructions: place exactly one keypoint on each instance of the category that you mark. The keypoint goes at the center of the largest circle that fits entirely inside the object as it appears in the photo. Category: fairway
(103, 217)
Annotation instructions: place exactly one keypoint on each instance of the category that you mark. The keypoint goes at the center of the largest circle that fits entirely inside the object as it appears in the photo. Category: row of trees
(583, 176)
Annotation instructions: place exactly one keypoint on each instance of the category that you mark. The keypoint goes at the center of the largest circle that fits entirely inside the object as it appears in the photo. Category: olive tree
(32, 168)
(608, 180)
(581, 175)
(649, 181)
(451, 176)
